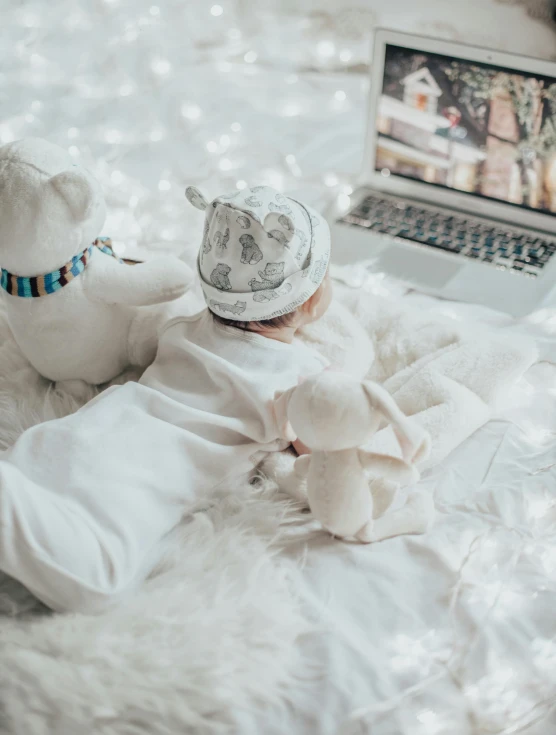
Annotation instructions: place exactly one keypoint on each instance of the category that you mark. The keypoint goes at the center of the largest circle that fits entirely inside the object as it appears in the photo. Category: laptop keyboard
(484, 241)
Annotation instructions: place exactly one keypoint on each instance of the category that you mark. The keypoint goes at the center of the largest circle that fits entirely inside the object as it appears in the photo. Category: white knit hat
(262, 255)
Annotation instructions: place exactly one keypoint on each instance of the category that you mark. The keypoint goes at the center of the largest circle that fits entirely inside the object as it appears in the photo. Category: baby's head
(263, 262)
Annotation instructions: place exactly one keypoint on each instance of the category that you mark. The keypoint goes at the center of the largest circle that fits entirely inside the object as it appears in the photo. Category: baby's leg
(52, 548)
(86, 501)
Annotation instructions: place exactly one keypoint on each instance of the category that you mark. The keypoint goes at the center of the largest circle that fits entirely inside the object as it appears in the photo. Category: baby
(86, 501)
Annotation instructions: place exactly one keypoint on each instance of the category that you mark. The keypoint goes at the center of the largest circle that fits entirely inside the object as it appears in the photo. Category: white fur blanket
(214, 632)
(448, 376)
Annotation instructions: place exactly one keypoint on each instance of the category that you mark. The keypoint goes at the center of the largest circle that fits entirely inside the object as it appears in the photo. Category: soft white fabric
(86, 501)
(342, 340)
(449, 377)
(50, 210)
(262, 254)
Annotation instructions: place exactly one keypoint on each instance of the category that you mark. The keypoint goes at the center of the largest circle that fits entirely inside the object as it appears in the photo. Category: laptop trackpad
(416, 266)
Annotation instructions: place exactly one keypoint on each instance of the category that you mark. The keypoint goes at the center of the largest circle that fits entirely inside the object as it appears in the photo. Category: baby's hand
(300, 448)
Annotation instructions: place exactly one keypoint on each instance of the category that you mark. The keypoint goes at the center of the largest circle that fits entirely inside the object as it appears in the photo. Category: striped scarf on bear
(33, 286)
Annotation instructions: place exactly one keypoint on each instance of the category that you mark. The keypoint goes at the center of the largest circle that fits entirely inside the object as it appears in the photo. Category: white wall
(501, 24)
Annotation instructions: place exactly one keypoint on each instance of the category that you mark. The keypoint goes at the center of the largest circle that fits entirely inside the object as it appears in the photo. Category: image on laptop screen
(480, 129)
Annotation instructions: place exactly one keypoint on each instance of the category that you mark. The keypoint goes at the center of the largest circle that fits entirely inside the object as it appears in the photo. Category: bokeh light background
(152, 95)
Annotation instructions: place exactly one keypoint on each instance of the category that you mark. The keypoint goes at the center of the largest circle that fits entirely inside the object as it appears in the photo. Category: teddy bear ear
(194, 197)
(76, 190)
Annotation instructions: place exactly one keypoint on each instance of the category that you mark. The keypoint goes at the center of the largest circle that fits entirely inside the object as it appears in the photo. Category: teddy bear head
(50, 208)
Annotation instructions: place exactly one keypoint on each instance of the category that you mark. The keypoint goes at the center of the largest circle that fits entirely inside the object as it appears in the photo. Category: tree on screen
(533, 101)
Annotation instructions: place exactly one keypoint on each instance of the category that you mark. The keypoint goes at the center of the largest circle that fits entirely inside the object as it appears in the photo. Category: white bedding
(449, 634)
(454, 631)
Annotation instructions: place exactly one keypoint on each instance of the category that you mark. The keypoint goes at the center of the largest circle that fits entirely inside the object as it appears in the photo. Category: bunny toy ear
(280, 227)
(194, 197)
(414, 441)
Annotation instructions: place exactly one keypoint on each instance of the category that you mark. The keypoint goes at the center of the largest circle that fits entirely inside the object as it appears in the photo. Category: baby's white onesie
(86, 500)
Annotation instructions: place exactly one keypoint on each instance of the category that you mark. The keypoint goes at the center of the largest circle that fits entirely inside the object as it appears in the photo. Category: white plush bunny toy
(333, 415)
(76, 311)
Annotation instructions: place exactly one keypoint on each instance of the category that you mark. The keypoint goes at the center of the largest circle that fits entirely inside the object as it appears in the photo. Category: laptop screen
(467, 126)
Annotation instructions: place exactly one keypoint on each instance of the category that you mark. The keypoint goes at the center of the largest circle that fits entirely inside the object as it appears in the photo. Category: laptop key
(467, 237)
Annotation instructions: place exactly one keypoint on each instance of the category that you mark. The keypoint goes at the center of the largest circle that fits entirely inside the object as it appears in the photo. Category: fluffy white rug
(211, 635)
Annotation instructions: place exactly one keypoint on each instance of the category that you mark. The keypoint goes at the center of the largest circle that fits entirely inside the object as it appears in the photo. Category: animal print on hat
(206, 246)
(250, 251)
(263, 254)
(271, 277)
(286, 222)
(318, 271)
(237, 309)
(221, 240)
(278, 235)
(219, 277)
(279, 208)
(271, 294)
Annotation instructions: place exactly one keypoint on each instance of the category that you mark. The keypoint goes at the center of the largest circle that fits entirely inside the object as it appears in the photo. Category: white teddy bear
(76, 311)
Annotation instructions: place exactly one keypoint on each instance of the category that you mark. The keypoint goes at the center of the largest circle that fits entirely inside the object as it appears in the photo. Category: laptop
(457, 196)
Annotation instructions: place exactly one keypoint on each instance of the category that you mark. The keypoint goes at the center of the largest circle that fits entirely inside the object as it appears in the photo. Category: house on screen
(421, 92)
(416, 140)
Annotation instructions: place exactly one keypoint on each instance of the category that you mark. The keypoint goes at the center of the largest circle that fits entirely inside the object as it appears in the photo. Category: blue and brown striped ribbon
(34, 286)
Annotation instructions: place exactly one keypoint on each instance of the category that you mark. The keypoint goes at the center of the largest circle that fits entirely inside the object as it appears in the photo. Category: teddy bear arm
(154, 282)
